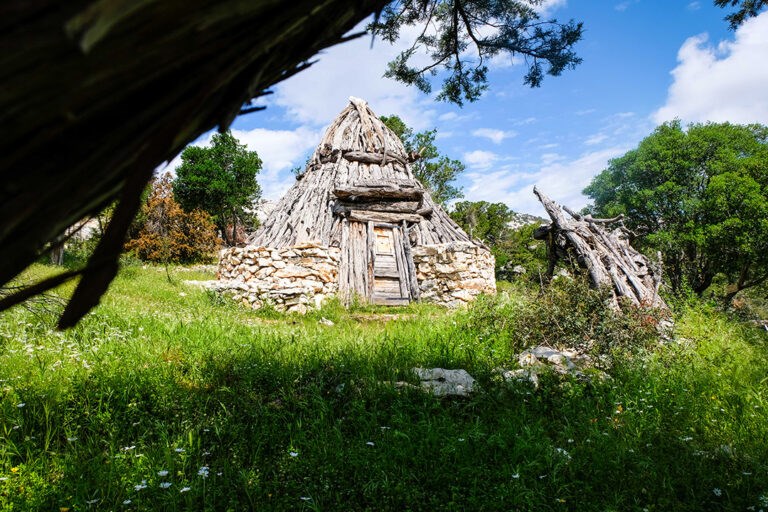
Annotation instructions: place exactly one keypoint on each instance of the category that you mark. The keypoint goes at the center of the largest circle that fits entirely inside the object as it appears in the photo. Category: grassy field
(170, 398)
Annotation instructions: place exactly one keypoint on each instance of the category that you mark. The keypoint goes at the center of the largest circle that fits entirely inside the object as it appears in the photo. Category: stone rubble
(536, 360)
(292, 279)
(442, 382)
(454, 274)
(299, 278)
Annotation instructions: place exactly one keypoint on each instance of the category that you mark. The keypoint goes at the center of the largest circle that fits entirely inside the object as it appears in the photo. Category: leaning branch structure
(606, 255)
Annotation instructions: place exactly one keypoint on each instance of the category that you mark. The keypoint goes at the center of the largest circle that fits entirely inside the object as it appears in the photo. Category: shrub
(568, 313)
(168, 233)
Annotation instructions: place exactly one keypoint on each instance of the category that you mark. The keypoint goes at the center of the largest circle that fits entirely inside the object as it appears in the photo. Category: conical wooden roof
(359, 159)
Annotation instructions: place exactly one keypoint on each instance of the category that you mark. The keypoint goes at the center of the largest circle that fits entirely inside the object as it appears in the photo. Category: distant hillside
(523, 219)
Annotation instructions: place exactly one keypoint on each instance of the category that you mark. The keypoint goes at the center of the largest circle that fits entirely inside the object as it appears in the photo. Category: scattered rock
(442, 382)
(325, 321)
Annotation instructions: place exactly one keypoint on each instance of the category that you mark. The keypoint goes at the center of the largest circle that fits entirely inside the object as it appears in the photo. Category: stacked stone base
(293, 279)
(302, 277)
(454, 274)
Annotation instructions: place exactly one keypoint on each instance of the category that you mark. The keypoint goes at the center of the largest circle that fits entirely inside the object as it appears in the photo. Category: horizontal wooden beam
(380, 206)
(370, 216)
(375, 158)
(383, 192)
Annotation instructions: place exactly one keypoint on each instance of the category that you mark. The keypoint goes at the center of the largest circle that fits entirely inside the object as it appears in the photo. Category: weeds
(164, 399)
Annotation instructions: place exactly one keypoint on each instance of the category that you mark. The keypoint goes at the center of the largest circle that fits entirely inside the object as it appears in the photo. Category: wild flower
(22, 404)
(179, 450)
(686, 439)
(142, 485)
(165, 485)
(71, 439)
(162, 472)
(717, 492)
(293, 454)
(91, 502)
(516, 476)
(127, 502)
(203, 471)
(185, 489)
(370, 443)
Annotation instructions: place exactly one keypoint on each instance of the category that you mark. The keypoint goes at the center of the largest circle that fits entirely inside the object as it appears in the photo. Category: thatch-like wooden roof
(359, 171)
(95, 94)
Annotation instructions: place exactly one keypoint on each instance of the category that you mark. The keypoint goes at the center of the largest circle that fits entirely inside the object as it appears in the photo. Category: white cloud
(494, 135)
(694, 6)
(595, 139)
(623, 6)
(721, 83)
(279, 150)
(316, 95)
(480, 160)
(549, 158)
(563, 181)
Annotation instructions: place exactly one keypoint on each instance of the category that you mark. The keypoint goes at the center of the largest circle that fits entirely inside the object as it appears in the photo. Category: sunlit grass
(167, 384)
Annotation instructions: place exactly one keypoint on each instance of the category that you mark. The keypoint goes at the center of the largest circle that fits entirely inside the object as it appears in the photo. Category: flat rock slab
(442, 382)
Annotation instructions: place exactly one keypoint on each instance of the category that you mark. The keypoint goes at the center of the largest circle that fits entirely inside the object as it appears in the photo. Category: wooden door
(389, 267)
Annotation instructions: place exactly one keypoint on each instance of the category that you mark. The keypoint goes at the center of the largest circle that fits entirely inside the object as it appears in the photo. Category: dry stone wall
(292, 279)
(302, 277)
(454, 274)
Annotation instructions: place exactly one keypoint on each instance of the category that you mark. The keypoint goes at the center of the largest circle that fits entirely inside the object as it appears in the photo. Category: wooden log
(393, 218)
(374, 158)
(380, 206)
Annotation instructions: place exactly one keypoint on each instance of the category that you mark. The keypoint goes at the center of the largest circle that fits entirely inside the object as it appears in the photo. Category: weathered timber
(331, 183)
(167, 71)
(367, 215)
(607, 256)
(381, 206)
(389, 192)
(375, 158)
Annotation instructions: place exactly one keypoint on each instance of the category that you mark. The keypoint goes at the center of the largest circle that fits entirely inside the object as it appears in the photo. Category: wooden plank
(413, 283)
(371, 257)
(379, 192)
(345, 263)
(395, 206)
(393, 218)
(401, 264)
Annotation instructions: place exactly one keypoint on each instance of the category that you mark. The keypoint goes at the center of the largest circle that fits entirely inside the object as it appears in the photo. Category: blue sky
(645, 62)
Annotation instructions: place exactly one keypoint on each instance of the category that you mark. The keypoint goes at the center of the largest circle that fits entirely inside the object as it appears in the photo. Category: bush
(567, 314)
(169, 234)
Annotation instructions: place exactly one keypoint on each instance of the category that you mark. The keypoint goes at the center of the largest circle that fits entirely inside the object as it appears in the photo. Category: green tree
(746, 9)
(699, 196)
(435, 171)
(461, 36)
(490, 222)
(221, 180)
(168, 234)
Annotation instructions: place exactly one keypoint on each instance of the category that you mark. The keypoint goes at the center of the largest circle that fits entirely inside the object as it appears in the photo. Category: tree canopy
(746, 9)
(221, 180)
(700, 196)
(462, 36)
(434, 170)
(166, 233)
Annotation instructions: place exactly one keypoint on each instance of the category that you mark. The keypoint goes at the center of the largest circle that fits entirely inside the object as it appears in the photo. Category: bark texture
(606, 255)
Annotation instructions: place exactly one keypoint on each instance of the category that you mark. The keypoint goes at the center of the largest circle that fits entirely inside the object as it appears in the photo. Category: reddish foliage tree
(168, 233)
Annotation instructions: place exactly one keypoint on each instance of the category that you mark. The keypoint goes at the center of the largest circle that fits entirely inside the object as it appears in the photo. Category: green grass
(286, 413)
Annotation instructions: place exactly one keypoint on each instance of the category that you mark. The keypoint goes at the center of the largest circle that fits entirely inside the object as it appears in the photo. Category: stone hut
(358, 224)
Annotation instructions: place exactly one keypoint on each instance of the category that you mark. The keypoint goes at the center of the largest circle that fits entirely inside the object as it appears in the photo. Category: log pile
(606, 255)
